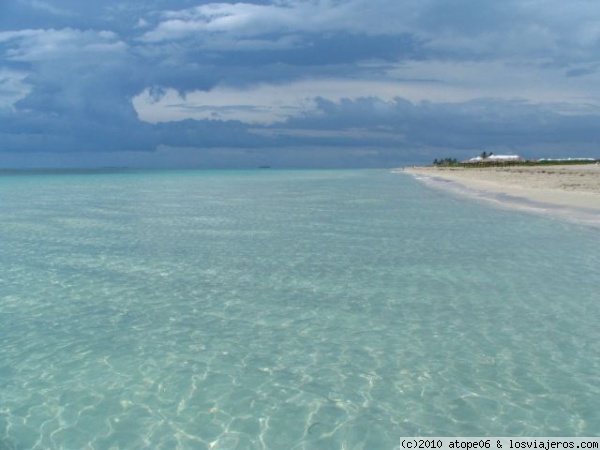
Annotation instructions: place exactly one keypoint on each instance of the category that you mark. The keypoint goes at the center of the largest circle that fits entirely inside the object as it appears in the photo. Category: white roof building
(495, 158)
(504, 158)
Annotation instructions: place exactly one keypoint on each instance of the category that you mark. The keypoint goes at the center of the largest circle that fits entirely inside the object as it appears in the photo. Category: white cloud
(551, 29)
(262, 104)
(462, 81)
(568, 31)
(13, 88)
(244, 20)
(40, 45)
(424, 81)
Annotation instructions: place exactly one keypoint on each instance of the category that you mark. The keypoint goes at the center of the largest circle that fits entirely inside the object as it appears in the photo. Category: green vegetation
(563, 162)
(446, 162)
(453, 162)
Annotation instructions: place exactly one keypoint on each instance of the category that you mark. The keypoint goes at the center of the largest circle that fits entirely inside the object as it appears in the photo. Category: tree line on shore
(454, 162)
(446, 162)
(484, 160)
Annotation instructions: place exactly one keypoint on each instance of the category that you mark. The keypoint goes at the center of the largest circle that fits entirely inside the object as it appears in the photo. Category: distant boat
(264, 167)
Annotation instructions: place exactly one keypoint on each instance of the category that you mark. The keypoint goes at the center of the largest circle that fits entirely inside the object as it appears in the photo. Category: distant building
(565, 159)
(504, 158)
(494, 159)
(474, 160)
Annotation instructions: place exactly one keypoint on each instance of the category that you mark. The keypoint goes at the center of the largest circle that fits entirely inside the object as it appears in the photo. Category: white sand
(562, 188)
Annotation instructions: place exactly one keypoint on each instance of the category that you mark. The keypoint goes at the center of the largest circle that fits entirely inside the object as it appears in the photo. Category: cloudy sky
(295, 83)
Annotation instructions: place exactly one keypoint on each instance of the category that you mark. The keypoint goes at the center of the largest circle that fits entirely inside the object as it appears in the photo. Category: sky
(295, 83)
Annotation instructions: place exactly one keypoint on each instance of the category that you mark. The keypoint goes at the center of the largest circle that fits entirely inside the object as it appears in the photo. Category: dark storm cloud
(398, 75)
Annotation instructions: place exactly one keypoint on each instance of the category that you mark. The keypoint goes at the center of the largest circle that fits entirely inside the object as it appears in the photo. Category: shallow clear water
(280, 310)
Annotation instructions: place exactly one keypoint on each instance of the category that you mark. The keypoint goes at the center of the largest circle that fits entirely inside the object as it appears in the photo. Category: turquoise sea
(287, 310)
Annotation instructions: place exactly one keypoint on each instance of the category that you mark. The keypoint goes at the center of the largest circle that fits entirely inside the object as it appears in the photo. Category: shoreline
(569, 191)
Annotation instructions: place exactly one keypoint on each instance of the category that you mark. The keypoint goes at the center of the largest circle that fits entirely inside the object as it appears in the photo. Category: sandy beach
(561, 188)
